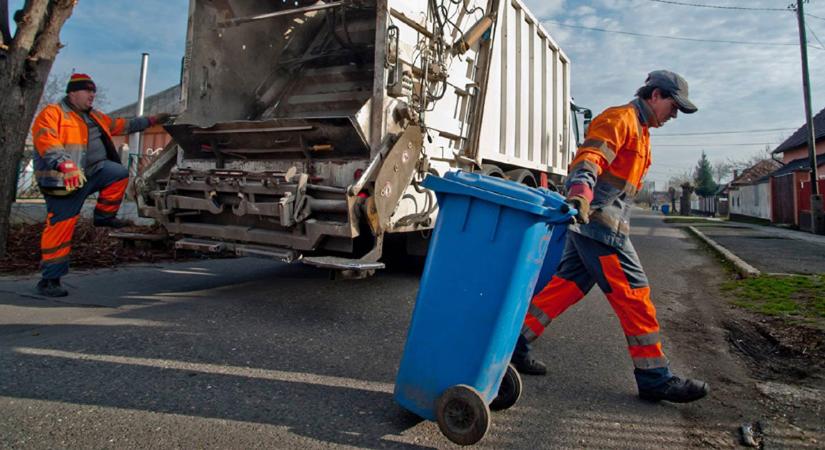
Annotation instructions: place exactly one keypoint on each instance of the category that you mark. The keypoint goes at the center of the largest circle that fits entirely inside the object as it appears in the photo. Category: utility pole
(817, 216)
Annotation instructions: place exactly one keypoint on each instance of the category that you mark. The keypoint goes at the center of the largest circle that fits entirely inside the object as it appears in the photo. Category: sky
(737, 87)
(752, 84)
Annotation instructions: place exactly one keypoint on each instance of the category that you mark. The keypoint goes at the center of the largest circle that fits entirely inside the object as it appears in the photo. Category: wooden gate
(782, 199)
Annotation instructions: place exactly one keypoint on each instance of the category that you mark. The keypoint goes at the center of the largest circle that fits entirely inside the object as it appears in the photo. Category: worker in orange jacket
(74, 158)
(603, 179)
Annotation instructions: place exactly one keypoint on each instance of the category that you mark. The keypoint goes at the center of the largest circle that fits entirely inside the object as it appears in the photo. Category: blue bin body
(665, 209)
(551, 261)
(487, 249)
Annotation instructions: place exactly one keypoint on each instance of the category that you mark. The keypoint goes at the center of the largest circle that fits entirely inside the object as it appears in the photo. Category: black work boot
(50, 287)
(677, 390)
(525, 363)
(111, 222)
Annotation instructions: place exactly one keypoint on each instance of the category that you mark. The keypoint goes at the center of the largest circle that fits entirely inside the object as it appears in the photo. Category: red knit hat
(79, 82)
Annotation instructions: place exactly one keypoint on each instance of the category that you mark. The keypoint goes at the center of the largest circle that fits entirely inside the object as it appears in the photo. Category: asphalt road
(247, 353)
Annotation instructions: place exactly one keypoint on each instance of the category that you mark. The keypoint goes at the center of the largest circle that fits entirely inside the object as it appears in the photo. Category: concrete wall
(752, 201)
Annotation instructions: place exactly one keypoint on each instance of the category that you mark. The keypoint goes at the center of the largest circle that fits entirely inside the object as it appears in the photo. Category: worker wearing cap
(74, 158)
(603, 179)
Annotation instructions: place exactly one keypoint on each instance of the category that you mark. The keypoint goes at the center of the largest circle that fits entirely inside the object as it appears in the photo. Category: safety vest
(59, 133)
(612, 162)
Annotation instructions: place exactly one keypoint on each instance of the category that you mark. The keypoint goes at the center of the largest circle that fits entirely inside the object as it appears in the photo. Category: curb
(744, 269)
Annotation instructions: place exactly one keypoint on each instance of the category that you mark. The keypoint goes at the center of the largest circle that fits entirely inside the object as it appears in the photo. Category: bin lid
(539, 201)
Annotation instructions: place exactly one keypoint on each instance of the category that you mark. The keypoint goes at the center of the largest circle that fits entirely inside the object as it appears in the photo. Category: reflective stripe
(602, 147)
(43, 131)
(650, 363)
(587, 165)
(643, 339)
(54, 148)
(529, 334)
(46, 251)
(49, 173)
(107, 202)
(618, 183)
(537, 312)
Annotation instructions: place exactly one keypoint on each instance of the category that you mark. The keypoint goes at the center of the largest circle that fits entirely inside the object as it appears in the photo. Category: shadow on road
(271, 344)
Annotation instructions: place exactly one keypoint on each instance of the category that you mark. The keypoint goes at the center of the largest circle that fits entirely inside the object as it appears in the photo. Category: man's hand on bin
(582, 205)
(579, 196)
(73, 177)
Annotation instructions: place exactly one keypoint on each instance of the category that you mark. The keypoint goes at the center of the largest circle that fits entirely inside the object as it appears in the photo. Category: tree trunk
(24, 69)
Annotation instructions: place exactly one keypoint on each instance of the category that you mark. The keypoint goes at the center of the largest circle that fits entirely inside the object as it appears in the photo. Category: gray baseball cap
(675, 85)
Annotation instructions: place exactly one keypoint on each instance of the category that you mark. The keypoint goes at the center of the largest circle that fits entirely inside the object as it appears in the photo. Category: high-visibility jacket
(609, 168)
(60, 133)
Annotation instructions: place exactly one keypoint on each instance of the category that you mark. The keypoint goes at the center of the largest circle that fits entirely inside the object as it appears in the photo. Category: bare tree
(752, 160)
(678, 180)
(25, 62)
(721, 170)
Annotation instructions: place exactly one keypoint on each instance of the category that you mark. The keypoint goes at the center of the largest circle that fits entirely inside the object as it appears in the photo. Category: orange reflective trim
(557, 296)
(60, 254)
(55, 249)
(109, 209)
(57, 238)
(534, 325)
(633, 306)
(646, 351)
(113, 192)
(64, 130)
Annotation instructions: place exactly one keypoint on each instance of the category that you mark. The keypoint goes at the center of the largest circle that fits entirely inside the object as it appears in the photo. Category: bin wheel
(509, 391)
(462, 414)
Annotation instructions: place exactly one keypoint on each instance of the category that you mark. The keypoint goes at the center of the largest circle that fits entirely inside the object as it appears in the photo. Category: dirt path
(767, 378)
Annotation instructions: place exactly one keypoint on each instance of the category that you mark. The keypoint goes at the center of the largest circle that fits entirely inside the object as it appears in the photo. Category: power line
(669, 2)
(676, 38)
(704, 133)
(815, 17)
(815, 36)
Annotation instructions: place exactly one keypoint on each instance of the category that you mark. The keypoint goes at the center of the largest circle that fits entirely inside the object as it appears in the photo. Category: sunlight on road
(187, 272)
(249, 372)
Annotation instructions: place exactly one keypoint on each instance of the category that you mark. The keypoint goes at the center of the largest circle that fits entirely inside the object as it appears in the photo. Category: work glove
(73, 177)
(582, 205)
(159, 118)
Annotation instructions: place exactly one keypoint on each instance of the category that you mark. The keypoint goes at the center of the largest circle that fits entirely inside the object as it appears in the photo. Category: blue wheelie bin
(487, 250)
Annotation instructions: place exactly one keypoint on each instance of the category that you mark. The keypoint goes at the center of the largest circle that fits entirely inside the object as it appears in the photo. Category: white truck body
(307, 127)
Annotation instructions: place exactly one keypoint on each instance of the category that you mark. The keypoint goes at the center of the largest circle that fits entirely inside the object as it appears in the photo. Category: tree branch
(48, 41)
(29, 25)
(5, 32)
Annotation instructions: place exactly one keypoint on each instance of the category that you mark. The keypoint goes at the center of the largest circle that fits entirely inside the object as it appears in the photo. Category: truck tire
(522, 176)
(491, 170)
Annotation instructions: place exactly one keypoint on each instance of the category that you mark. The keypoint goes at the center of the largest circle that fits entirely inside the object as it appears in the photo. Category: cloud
(736, 86)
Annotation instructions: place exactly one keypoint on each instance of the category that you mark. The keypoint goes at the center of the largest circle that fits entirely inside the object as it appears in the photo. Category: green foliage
(795, 296)
(703, 178)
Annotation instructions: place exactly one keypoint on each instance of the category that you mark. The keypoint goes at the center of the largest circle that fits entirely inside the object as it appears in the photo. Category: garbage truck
(308, 126)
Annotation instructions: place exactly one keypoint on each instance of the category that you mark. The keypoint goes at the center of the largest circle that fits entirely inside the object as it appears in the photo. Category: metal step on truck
(308, 125)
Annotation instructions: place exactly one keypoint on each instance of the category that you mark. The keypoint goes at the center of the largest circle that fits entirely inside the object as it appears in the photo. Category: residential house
(749, 193)
(790, 185)
(155, 137)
